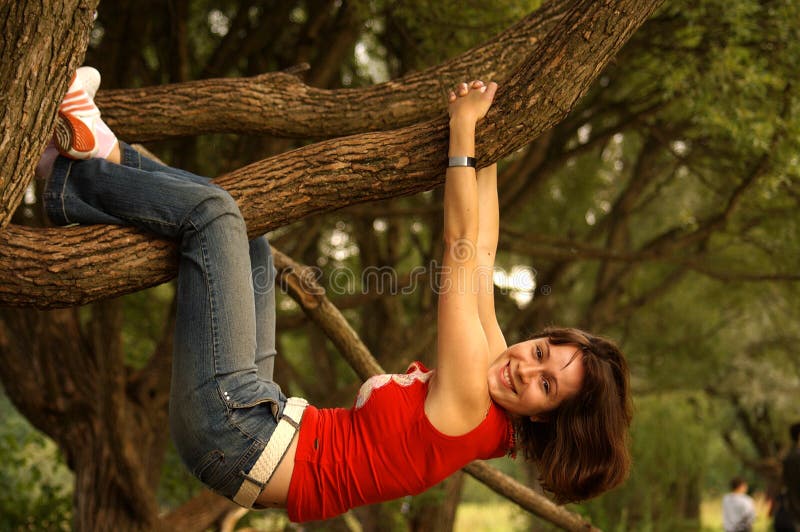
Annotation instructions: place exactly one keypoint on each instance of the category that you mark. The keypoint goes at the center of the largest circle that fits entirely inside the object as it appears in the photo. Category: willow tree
(70, 381)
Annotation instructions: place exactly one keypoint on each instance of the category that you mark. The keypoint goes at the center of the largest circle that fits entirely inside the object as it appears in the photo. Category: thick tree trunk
(110, 424)
(51, 268)
(42, 43)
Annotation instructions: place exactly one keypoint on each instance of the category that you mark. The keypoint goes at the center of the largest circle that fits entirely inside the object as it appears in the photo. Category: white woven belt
(272, 454)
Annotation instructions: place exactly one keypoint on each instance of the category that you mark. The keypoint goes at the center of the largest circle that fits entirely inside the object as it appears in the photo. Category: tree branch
(280, 104)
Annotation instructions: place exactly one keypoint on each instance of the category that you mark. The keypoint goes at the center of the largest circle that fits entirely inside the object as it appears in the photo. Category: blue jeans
(224, 405)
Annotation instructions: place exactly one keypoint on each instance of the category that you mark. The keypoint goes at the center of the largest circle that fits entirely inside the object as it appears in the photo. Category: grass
(492, 517)
(507, 517)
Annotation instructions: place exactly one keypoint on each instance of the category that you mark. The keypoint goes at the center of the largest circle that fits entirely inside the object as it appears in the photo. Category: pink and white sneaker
(74, 133)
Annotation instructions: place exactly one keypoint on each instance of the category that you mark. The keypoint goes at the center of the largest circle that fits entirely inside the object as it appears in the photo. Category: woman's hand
(470, 102)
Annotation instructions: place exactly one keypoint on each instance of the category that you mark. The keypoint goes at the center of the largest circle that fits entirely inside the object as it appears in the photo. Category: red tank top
(382, 448)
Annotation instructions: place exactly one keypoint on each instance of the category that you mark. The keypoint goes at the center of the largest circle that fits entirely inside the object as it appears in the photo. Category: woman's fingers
(463, 89)
(474, 97)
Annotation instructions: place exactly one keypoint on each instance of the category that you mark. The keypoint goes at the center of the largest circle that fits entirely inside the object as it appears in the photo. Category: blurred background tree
(662, 212)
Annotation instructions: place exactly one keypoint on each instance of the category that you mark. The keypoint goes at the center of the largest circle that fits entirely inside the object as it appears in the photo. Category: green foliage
(670, 457)
(177, 485)
(35, 484)
(145, 316)
(723, 66)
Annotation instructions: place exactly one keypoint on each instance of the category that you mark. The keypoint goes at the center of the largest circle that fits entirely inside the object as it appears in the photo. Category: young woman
(560, 397)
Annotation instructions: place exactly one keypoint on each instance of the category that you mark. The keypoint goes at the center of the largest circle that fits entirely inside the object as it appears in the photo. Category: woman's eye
(538, 352)
(546, 386)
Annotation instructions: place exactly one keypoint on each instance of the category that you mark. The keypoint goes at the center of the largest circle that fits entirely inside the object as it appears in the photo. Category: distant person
(738, 510)
(787, 506)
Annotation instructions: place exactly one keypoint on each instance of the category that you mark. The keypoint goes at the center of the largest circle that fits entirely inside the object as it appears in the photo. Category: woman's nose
(526, 371)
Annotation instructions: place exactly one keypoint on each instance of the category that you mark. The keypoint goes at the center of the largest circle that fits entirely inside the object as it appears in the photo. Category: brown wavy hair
(581, 448)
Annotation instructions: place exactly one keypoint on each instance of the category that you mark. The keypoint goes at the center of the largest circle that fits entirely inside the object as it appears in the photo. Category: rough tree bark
(51, 268)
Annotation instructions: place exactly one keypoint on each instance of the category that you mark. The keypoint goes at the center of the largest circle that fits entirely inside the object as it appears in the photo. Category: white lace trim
(379, 381)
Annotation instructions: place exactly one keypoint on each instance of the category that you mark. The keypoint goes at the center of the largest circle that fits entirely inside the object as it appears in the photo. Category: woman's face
(532, 378)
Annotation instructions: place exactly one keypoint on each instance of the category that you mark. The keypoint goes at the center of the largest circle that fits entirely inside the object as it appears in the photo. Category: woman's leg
(133, 159)
(262, 268)
(221, 412)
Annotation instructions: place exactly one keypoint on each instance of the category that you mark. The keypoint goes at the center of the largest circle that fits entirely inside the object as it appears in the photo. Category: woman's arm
(488, 229)
(458, 396)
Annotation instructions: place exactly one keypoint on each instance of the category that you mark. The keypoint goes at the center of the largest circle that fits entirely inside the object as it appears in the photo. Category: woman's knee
(214, 203)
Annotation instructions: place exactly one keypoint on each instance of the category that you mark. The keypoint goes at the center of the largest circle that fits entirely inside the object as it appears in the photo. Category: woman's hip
(220, 437)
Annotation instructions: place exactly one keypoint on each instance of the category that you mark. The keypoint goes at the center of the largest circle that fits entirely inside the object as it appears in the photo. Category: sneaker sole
(73, 138)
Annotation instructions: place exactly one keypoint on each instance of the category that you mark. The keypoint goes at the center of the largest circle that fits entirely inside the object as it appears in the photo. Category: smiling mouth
(507, 377)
